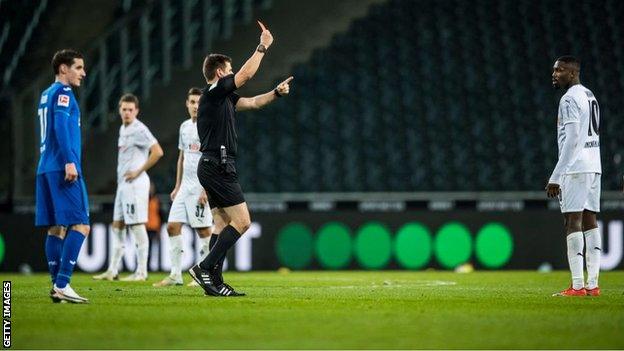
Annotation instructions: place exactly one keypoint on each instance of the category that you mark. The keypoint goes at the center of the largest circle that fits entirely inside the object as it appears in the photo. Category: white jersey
(134, 143)
(189, 144)
(579, 105)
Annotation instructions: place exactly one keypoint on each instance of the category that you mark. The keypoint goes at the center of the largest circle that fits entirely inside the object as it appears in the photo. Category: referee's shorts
(220, 182)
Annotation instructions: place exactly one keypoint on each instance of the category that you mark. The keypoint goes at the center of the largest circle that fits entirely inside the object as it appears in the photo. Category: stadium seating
(431, 95)
(150, 41)
(419, 95)
(17, 25)
(141, 48)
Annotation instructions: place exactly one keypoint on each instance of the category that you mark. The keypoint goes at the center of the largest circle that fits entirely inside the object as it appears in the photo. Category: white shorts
(580, 191)
(186, 208)
(132, 201)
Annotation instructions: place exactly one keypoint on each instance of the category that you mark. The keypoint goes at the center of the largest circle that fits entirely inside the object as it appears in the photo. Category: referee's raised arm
(250, 67)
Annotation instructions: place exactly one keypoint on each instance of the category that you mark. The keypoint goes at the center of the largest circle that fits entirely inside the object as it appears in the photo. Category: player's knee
(204, 232)
(574, 226)
(84, 229)
(174, 228)
(241, 224)
(589, 221)
(589, 225)
(57, 231)
(220, 223)
(218, 219)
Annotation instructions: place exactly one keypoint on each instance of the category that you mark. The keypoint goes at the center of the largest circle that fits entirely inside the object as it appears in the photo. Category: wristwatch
(261, 48)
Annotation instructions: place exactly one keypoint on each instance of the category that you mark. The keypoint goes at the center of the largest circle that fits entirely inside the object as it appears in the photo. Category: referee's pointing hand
(266, 38)
(283, 88)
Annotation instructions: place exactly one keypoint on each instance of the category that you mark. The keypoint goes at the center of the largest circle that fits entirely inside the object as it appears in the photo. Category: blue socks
(53, 250)
(71, 249)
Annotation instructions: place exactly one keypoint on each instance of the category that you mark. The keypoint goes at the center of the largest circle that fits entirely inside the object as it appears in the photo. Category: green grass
(320, 310)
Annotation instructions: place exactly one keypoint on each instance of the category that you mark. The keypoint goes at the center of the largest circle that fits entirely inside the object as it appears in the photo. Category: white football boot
(169, 281)
(135, 277)
(106, 276)
(68, 294)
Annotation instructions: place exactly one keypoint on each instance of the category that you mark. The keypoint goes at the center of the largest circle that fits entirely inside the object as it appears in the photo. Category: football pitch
(325, 310)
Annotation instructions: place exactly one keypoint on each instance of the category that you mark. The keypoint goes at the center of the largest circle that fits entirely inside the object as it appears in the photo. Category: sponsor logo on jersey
(194, 147)
(66, 89)
(44, 99)
(63, 100)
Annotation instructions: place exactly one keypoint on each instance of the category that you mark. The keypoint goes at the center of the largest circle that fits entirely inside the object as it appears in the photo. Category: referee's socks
(226, 239)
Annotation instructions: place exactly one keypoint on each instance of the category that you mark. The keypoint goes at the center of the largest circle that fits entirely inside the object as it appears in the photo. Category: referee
(216, 170)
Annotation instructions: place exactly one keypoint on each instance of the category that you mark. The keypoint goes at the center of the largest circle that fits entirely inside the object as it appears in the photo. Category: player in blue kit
(61, 194)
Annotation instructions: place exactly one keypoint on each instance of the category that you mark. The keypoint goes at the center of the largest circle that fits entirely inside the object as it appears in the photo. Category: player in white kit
(190, 202)
(576, 178)
(138, 151)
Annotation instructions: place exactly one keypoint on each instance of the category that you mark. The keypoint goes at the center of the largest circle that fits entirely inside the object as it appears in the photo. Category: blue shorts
(60, 203)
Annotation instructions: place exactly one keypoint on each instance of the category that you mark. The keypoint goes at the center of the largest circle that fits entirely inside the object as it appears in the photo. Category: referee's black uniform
(217, 131)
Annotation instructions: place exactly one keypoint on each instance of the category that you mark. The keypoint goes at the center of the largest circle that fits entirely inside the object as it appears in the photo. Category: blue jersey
(59, 122)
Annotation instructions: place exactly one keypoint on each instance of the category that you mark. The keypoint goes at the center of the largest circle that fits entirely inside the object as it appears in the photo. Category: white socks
(142, 244)
(593, 249)
(117, 250)
(175, 251)
(204, 248)
(575, 258)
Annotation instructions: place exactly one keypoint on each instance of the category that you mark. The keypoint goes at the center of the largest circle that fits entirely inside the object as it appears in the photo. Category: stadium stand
(417, 95)
(140, 48)
(467, 107)
(16, 29)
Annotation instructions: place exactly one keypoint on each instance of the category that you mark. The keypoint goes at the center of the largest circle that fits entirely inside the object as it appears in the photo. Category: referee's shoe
(210, 282)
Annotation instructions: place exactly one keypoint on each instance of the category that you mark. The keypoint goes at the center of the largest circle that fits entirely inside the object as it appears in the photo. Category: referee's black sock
(213, 240)
(221, 260)
(228, 237)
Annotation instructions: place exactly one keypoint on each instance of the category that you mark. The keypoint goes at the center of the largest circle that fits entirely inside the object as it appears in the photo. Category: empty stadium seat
(430, 95)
